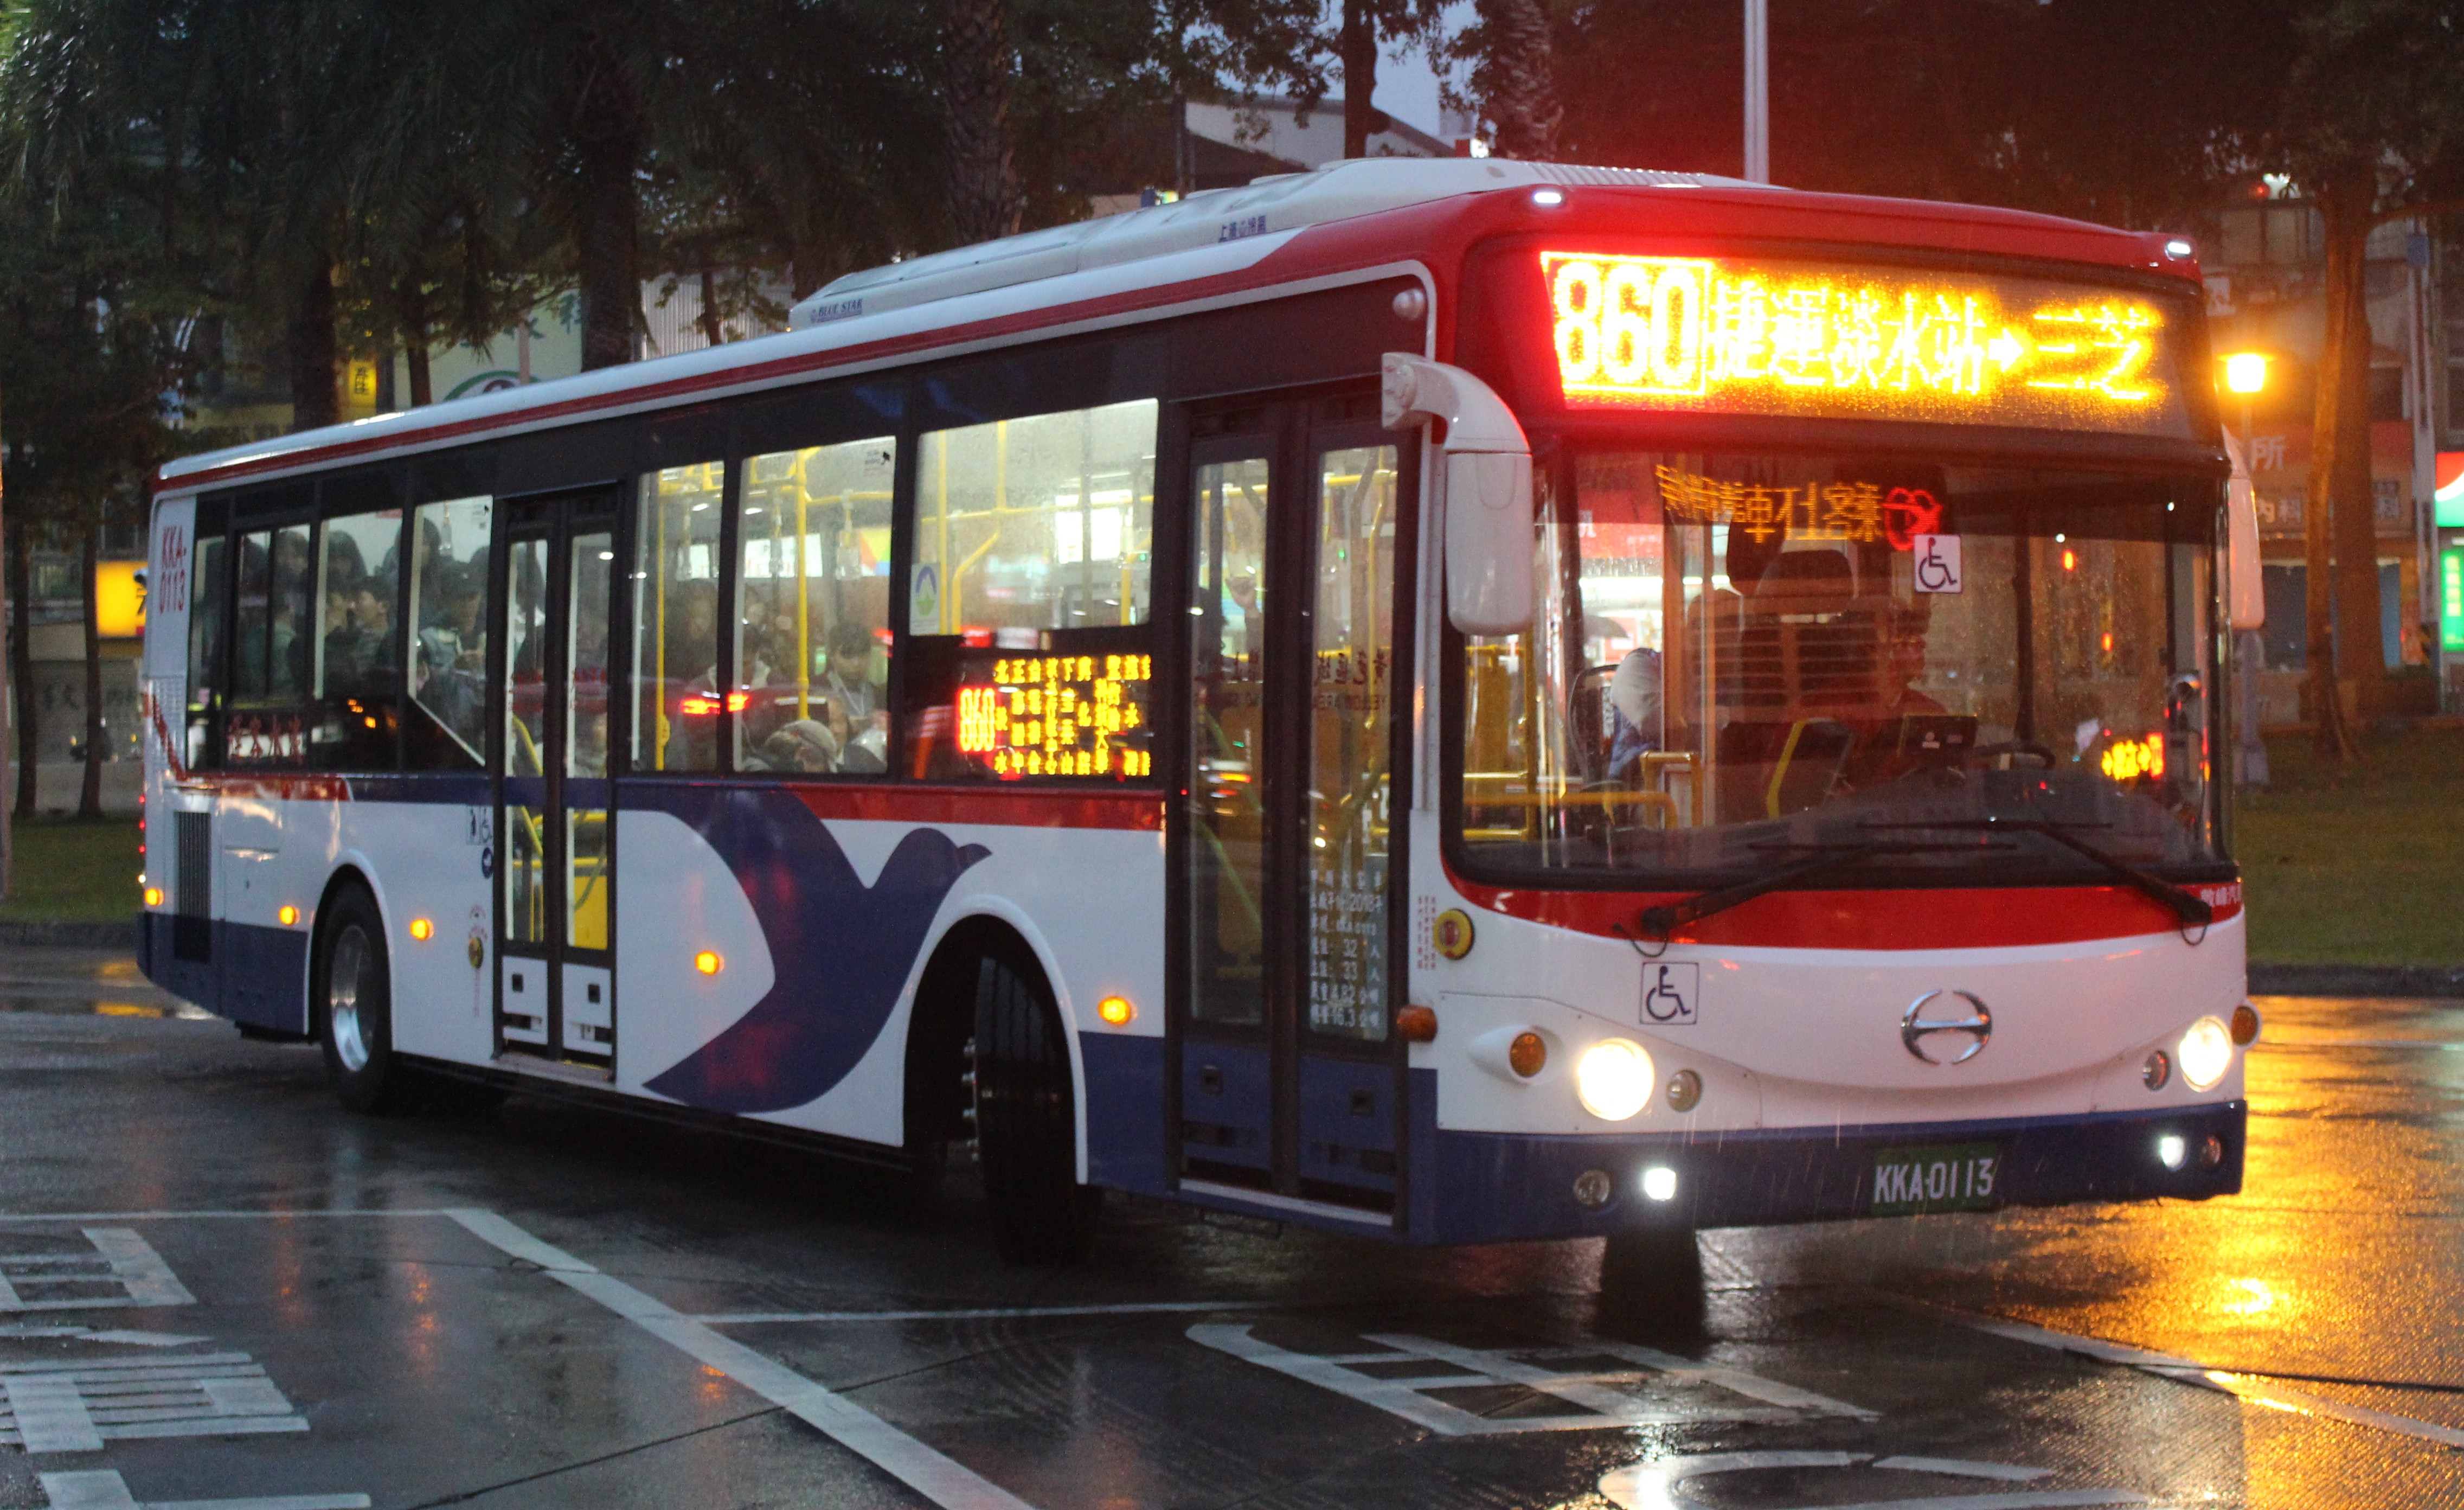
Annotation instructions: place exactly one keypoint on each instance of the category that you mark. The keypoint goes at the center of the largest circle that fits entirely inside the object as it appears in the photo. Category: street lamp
(2246, 374)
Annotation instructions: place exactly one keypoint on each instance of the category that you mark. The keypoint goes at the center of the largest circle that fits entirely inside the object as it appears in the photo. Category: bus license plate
(1954, 1177)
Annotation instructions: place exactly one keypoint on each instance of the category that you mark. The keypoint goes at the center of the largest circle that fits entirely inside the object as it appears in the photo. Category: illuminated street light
(2245, 373)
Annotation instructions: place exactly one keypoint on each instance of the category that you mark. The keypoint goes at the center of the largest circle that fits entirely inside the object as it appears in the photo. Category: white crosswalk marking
(105, 1490)
(78, 1407)
(121, 1269)
(1410, 1377)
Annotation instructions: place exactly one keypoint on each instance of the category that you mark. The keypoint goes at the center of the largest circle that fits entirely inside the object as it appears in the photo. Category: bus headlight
(2206, 1053)
(1614, 1080)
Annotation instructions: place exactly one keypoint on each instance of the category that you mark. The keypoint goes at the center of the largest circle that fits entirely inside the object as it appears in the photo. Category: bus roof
(1388, 213)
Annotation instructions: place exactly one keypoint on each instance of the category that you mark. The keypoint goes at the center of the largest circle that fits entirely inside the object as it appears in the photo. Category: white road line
(984, 1314)
(2253, 1388)
(18, 1218)
(1654, 1485)
(105, 1490)
(941, 1480)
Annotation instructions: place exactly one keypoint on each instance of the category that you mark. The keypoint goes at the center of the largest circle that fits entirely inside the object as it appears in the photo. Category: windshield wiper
(1660, 924)
(2187, 906)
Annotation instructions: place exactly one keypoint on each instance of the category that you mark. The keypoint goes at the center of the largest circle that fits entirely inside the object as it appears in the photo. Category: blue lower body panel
(1496, 1188)
(248, 973)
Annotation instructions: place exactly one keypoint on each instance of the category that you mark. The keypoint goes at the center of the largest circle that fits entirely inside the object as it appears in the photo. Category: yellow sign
(1860, 512)
(1704, 334)
(1061, 716)
(360, 383)
(120, 599)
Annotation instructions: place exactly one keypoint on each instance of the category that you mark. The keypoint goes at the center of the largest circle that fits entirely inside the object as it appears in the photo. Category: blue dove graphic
(842, 950)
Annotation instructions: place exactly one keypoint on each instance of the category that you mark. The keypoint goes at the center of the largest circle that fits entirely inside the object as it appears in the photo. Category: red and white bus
(1448, 701)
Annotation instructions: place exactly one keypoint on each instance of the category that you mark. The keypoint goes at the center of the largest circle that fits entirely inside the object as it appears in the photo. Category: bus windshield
(1747, 663)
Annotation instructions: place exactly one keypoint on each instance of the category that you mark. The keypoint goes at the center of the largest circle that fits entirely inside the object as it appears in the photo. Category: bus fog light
(1592, 1190)
(2244, 1025)
(2171, 1152)
(2212, 1151)
(1659, 1183)
(2206, 1053)
(1684, 1091)
(2158, 1072)
(1614, 1080)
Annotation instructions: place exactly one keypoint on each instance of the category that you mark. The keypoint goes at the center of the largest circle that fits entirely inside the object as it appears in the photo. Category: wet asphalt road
(217, 1287)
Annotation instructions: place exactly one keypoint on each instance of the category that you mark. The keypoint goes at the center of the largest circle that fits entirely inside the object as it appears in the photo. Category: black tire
(350, 984)
(1026, 1121)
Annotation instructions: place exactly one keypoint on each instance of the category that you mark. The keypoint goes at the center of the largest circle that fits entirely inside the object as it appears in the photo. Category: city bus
(1444, 700)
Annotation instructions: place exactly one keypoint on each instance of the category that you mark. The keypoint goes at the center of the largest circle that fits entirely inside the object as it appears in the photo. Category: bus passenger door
(555, 989)
(1287, 1077)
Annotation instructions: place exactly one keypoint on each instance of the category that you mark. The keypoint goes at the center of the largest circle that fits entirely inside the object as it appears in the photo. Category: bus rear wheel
(1026, 1122)
(352, 985)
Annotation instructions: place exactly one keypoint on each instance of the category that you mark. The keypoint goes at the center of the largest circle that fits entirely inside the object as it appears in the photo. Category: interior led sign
(1810, 339)
(1060, 715)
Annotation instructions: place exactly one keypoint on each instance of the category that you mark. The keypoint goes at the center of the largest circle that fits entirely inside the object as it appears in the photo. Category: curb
(48, 933)
(2356, 980)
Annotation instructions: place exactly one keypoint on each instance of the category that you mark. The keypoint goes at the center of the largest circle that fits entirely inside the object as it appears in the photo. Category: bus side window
(208, 606)
(359, 646)
(676, 695)
(812, 623)
(446, 727)
(1029, 653)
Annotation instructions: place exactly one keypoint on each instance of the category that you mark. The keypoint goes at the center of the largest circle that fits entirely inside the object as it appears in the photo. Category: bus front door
(1288, 1080)
(556, 987)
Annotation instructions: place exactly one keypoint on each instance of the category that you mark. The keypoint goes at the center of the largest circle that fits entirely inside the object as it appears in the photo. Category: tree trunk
(1523, 102)
(1362, 116)
(984, 201)
(711, 330)
(7, 664)
(316, 388)
(2343, 385)
(2361, 656)
(90, 789)
(609, 141)
(21, 661)
(410, 308)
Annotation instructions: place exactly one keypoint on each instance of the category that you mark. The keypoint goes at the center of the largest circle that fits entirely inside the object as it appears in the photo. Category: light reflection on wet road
(431, 1363)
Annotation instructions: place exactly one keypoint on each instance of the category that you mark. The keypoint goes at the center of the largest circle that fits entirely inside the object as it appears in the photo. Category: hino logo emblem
(1972, 1029)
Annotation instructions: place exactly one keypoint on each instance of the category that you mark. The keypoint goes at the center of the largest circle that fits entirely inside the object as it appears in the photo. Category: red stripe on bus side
(1949, 918)
(1006, 806)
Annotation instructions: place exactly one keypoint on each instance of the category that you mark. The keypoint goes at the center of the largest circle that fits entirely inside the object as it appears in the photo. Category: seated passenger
(1634, 711)
(806, 745)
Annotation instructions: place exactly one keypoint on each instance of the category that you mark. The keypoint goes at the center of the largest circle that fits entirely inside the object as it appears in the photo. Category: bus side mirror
(2245, 589)
(1487, 496)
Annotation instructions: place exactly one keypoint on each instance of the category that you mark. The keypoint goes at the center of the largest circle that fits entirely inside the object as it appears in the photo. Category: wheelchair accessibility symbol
(1937, 562)
(1671, 993)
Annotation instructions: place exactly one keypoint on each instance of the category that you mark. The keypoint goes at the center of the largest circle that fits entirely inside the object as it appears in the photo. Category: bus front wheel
(353, 1000)
(1026, 1122)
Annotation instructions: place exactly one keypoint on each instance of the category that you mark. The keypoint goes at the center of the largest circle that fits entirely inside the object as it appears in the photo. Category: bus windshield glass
(1741, 663)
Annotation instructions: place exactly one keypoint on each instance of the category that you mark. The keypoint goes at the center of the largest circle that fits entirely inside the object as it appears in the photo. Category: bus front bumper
(1499, 1187)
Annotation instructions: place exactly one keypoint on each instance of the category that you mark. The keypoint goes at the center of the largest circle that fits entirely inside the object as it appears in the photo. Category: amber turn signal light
(1528, 1054)
(708, 963)
(1115, 1009)
(288, 916)
(422, 929)
(153, 895)
(2244, 1025)
(1418, 1024)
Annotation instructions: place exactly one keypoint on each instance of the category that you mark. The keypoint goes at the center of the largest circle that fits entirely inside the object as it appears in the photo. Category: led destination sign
(1837, 340)
(1060, 715)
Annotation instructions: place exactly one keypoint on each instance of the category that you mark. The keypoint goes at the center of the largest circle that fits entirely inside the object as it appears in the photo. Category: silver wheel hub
(346, 982)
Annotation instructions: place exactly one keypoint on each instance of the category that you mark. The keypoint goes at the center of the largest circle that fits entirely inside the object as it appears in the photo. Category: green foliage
(2357, 865)
(74, 871)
